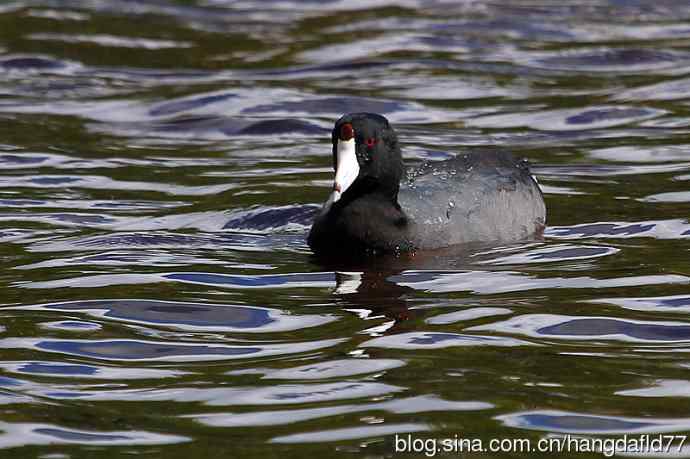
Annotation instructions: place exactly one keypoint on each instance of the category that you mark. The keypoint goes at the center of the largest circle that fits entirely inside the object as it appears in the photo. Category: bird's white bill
(346, 169)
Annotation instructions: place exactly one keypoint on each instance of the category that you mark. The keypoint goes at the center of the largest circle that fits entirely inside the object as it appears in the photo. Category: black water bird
(376, 206)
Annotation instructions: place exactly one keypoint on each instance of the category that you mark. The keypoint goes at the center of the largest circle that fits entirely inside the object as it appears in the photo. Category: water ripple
(420, 404)
(581, 423)
(466, 315)
(161, 163)
(136, 350)
(75, 370)
(334, 369)
(434, 340)
(601, 328)
(22, 434)
(189, 316)
(490, 282)
(287, 394)
(572, 119)
(350, 433)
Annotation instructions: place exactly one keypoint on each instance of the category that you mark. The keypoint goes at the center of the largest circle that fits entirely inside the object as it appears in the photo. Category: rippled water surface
(160, 164)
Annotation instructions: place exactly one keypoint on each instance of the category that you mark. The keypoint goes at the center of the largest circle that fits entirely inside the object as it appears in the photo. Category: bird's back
(473, 197)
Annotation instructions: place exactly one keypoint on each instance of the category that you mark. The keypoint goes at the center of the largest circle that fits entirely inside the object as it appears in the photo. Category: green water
(160, 163)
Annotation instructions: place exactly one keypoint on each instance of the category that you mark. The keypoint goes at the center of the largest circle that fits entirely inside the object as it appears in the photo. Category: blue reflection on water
(599, 327)
(133, 350)
(62, 369)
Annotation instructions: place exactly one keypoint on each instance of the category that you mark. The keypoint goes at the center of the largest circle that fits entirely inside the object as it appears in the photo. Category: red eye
(346, 132)
(371, 142)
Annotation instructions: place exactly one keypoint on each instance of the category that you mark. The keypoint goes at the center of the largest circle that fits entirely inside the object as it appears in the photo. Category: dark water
(160, 163)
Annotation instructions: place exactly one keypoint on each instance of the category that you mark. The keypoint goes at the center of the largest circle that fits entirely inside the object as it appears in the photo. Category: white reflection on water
(189, 316)
(351, 433)
(169, 351)
(570, 422)
(588, 328)
(16, 434)
(283, 394)
(419, 404)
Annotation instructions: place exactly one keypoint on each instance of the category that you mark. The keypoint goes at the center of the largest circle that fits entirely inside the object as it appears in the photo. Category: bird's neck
(376, 190)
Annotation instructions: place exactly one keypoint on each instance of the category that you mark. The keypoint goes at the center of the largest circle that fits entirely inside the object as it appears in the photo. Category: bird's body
(377, 207)
(473, 197)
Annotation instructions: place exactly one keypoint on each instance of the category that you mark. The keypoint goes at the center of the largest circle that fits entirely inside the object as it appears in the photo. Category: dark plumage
(472, 197)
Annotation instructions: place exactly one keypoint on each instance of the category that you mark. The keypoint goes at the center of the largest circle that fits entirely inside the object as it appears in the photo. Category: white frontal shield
(346, 170)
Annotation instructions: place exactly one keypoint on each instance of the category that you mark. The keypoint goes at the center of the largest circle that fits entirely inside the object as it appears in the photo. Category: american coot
(374, 209)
